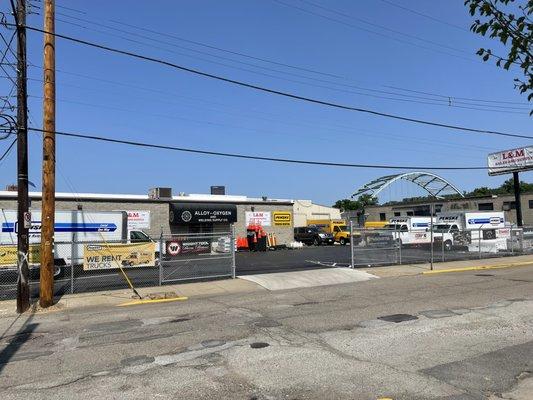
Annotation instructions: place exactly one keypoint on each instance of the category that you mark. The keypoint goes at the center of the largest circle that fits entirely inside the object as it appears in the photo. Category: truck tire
(448, 245)
(342, 241)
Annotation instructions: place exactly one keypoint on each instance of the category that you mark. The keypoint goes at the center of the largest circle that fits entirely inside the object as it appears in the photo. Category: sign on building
(138, 220)
(198, 213)
(282, 218)
(508, 161)
(262, 218)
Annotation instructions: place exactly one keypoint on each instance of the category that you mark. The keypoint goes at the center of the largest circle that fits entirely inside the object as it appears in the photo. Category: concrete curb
(477, 268)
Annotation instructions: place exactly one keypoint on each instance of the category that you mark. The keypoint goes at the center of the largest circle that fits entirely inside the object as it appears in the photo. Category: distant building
(504, 203)
(306, 209)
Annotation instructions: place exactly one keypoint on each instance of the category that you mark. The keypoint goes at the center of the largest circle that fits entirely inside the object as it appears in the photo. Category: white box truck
(71, 230)
(410, 230)
(472, 229)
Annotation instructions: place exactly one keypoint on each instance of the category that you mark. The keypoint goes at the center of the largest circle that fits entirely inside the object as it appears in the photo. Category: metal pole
(23, 216)
(442, 246)
(161, 258)
(46, 293)
(232, 242)
(432, 212)
(400, 247)
(479, 240)
(71, 277)
(516, 184)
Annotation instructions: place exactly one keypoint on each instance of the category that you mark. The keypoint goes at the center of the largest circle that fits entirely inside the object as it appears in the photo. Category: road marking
(149, 301)
(480, 267)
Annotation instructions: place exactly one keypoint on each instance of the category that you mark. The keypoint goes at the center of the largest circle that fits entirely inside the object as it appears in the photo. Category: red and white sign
(173, 248)
(262, 218)
(504, 162)
(138, 219)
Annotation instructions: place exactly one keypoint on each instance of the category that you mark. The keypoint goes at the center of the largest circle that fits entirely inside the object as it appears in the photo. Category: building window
(382, 216)
(530, 203)
(397, 214)
(509, 205)
(410, 213)
(485, 206)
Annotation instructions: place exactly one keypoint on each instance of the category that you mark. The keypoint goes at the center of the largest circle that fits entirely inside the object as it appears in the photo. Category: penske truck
(472, 229)
(405, 231)
(71, 230)
(337, 227)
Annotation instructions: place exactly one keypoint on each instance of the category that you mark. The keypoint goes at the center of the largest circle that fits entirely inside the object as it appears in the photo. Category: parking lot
(308, 257)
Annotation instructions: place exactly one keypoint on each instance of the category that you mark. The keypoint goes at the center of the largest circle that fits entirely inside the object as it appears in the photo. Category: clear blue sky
(153, 103)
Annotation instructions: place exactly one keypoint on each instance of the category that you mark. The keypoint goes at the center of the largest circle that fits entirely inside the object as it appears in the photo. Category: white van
(410, 230)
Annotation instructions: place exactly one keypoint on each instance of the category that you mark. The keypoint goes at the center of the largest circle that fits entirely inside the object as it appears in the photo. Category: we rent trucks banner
(110, 256)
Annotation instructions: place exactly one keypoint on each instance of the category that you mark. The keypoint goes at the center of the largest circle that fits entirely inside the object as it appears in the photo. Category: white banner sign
(138, 220)
(504, 162)
(262, 218)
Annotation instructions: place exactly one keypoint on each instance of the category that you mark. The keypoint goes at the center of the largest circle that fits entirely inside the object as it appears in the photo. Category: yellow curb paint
(150, 301)
(480, 267)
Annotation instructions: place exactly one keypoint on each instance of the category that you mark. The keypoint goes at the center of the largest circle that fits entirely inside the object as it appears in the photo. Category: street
(447, 336)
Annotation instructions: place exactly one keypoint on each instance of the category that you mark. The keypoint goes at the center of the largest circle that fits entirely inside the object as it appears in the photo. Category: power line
(250, 157)
(440, 21)
(331, 10)
(351, 25)
(404, 97)
(310, 70)
(277, 92)
(5, 154)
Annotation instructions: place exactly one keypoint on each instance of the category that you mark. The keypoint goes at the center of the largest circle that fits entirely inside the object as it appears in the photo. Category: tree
(359, 204)
(515, 31)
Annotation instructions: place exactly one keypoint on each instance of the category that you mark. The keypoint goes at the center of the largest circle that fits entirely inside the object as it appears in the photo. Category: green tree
(512, 25)
(359, 204)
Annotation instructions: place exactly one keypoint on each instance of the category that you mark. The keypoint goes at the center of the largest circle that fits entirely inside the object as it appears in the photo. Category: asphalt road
(207, 267)
(463, 336)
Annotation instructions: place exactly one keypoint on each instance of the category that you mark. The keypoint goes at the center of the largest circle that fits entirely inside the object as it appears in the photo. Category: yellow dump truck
(337, 227)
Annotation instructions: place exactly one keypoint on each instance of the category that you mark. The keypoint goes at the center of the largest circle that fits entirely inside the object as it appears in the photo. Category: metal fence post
(233, 245)
(442, 247)
(479, 240)
(161, 259)
(352, 264)
(71, 277)
(432, 212)
(399, 247)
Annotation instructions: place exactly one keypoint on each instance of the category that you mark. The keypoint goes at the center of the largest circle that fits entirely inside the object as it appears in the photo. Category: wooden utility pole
(23, 219)
(46, 293)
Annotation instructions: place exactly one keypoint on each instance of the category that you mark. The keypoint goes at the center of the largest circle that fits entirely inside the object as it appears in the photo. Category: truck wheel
(342, 241)
(58, 272)
(448, 245)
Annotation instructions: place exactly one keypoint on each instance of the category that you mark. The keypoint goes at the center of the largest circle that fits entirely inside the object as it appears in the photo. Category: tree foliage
(359, 204)
(512, 25)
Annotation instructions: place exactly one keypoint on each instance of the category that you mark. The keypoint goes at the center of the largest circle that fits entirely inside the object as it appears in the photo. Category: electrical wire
(277, 92)
(5, 154)
(404, 97)
(250, 157)
(310, 70)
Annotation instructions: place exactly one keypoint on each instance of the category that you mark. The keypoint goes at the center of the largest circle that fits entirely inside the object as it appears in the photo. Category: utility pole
(516, 182)
(23, 216)
(46, 293)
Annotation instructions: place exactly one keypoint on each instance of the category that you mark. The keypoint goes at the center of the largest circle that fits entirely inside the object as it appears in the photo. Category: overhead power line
(443, 97)
(403, 97)
(277, 92)
(440, 21)
(251, 157)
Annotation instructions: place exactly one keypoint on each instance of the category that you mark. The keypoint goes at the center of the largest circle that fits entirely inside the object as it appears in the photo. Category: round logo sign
(186, 216)
(173, 248)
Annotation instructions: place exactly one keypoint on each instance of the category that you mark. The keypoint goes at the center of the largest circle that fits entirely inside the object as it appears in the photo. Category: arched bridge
(435, 185)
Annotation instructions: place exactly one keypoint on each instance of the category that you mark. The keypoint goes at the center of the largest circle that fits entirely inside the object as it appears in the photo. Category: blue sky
(116, 96)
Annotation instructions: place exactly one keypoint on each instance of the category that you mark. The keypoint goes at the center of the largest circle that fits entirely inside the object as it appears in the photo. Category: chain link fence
(374, 247)
(96, 266)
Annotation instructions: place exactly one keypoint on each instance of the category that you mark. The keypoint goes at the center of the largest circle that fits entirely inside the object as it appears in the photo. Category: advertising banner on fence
(505, 162)
(8, 255)
(111, 256)
(282, 218)
(175, 247)
(262, 218)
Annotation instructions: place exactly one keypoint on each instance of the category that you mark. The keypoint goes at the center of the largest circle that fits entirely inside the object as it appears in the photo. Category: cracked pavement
(464, 336)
